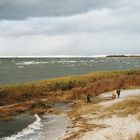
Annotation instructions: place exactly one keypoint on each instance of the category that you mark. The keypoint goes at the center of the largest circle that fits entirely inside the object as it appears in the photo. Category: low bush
(93, 84)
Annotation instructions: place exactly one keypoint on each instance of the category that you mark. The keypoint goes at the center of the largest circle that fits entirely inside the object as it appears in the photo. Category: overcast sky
(69, 27)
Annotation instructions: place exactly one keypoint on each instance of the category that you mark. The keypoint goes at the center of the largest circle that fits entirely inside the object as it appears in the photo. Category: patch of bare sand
(123, 95)
(117, 129)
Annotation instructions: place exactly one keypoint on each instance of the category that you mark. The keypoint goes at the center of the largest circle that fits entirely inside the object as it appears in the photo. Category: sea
(16, 70)
(50, 126)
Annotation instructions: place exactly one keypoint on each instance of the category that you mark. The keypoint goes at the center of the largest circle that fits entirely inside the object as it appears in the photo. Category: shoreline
(36, 96)
(44, 126)
(80, 126)
(90, 122)
(46, 121)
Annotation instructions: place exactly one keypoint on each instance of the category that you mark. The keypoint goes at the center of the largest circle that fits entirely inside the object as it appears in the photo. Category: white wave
(29, 130)
(128, 63)
(20, 66)
(66, 61)
(72, 65)
(92, 61)
(30, 63)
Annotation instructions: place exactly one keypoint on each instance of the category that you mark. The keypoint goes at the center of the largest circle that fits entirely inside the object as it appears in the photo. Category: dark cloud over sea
(69, 27)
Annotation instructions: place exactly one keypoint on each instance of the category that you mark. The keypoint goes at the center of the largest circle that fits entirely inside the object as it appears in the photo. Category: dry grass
(137, 137)
(64, 90)
(72, 87)
(38, 111)
(138, 116)
(131, 105)
(80, 108)
(36, 106)
(126, 107)
(84, 108)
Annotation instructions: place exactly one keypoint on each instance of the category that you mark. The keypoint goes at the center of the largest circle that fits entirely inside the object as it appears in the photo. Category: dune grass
(126, 107)
(78, 109)
(81, 112)
(137, 137)
(72, 88)
(63, 89)
(138, 116)
(69, 88)
(129, 106)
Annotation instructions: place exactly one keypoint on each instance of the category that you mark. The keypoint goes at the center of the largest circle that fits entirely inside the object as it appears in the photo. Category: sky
(69, 27)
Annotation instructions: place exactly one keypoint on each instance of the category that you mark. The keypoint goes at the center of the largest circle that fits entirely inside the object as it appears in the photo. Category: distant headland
(123, 56)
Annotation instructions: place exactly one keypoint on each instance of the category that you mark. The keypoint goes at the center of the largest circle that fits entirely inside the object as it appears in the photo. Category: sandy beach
(114, 127)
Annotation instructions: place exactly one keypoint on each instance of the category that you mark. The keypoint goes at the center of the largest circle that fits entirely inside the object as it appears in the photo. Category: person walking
(118, 92)
(88, 98)
(113, 95)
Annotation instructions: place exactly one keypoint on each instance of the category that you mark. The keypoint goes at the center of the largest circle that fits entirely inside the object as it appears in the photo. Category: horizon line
(65, 56)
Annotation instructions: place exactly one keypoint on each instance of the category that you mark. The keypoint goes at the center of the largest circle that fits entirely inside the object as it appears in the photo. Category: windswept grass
(81, 112)
(69, 88)
(131, 105)
(138, 116)
(126, 107)
(137, 137)
(78, 109)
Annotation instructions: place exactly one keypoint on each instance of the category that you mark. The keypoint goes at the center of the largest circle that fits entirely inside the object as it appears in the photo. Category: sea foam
(27, 131)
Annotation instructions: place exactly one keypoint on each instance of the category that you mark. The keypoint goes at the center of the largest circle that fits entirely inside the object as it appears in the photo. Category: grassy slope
(68, 88)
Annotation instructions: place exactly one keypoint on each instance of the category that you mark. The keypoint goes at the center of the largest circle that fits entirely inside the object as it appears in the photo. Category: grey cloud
(103, 20)
(20, 9)
(92, 27)
(76, 44)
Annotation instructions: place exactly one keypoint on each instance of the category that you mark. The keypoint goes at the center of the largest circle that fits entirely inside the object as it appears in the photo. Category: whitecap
(128, 63)
(30, 63)
(20, 66)
(66, 61)
(27, 131)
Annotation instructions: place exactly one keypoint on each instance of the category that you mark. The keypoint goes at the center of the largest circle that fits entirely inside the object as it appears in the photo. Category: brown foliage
(68, 88)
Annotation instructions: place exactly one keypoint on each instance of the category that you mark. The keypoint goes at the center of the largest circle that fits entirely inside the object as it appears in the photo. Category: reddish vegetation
(27, 97)
(104, 85)
(69, 88)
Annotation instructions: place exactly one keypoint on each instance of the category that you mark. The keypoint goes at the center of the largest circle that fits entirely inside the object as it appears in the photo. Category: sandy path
(124, 94)
(117, 128)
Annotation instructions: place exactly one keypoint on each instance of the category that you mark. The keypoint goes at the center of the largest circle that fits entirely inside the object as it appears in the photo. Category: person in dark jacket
(88, 98)
(118, 92)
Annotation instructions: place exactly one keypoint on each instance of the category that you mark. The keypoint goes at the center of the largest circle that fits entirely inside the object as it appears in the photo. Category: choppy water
(48, 127)
(28, 69)
(44, 127)
(15, 125)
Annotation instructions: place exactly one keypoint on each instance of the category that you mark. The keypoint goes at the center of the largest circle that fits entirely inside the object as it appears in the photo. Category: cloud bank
(69, 27)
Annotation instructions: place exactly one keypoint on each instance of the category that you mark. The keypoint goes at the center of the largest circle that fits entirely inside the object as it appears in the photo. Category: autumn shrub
(93, 84)
(39, 104)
